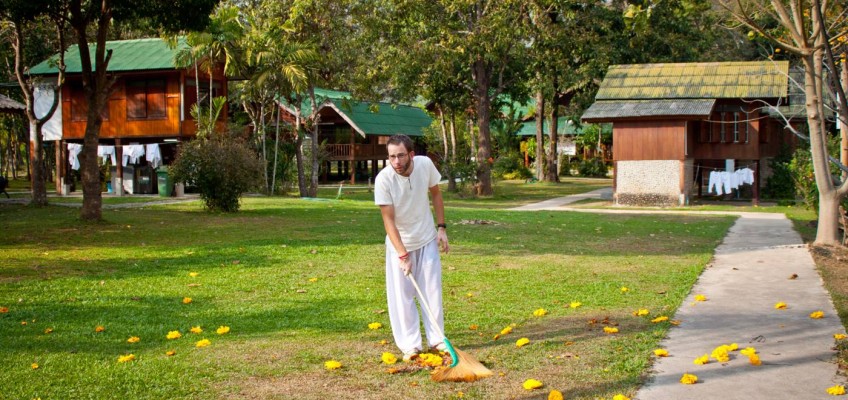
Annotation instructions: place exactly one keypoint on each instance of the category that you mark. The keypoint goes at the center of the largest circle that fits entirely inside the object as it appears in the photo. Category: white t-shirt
(409, 196)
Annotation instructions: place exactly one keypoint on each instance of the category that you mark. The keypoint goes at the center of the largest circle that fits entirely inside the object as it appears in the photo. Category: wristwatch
(442, 226)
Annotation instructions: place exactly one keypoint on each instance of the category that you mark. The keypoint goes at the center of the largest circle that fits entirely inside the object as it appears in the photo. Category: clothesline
(131, 153)
(723, 168)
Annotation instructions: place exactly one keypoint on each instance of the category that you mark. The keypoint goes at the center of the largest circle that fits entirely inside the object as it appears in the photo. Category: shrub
(594, 167)
(222, 168)
(510, 167)
(780, 184)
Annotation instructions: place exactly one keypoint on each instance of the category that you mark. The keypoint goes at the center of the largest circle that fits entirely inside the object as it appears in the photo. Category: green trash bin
(164, 182)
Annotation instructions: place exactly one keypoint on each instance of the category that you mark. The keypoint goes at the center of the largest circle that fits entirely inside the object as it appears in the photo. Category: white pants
(403, 314)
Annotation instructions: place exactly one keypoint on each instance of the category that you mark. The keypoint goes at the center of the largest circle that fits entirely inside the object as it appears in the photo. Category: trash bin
(164, 181)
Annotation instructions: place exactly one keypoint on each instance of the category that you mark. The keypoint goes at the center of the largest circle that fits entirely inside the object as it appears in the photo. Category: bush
(510, 167)
(221, 168)
(780, 184)
(593, 167)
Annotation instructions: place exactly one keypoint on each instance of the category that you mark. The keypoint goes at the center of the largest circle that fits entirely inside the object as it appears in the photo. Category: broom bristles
(467, 370)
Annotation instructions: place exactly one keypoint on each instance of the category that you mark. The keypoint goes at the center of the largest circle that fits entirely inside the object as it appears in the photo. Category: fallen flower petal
(133, 339)
(661, 352)
(748, 351)
(704, 359)
(126, 358)
(780, 305)
(313, 279)
(170, 353)
(624, 289)
(430, 360)
(575, 304)
(375, 325)
(202, 343)
(34, 366)
(521, 342)
(733, 346)
(99, 328)
(837, 390)
(388, 358)
(839, 336)
(531, 384)
(473, 327)
(641, 312)
(4, 310)
(688, 379)
(541, 312)
(754, 359)
(817, 314)
(223, 329)
(506, 330)
(196, 329)
(332, 364)
(193, 274)
(700, 297)
(48, 330)
(659, 319)
(555, 395)
(620, 397)
(610, 330)
(173, 335)
(186, 300)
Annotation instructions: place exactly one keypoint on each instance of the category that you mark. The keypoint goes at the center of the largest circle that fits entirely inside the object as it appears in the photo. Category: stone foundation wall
(648, 183)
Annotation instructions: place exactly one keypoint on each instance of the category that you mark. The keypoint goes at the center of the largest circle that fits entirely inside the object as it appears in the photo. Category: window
(191, 92)
(146, 99)
(740, 127)
(79, 104)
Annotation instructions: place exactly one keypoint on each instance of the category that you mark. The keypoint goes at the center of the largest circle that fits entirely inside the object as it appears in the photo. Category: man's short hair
(401, 139)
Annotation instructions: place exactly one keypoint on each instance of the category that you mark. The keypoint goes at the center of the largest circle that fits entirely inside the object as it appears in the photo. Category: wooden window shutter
(156, 105)
(136, 100)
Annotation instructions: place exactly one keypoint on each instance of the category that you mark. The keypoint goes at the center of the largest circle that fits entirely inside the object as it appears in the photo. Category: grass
(298, 281)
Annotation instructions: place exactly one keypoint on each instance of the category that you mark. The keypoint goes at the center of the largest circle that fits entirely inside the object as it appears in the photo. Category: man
(412, 243)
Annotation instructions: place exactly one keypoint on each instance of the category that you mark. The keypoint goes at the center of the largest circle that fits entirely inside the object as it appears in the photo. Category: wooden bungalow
(567, 133)
(674, 124)
(356, 132)
(150, 105)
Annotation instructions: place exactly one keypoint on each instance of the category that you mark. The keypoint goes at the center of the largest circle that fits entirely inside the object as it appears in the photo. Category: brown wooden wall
(649, 140)
(116, 125)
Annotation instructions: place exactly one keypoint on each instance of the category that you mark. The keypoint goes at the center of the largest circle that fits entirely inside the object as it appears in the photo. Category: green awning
(564, 127)
(127, 55)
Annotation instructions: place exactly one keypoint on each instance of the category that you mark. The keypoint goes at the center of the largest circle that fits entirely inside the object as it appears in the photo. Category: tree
(812, 31)
(21, 15)
(85, 17)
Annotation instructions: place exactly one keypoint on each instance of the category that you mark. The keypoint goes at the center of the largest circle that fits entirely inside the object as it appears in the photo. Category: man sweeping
(412, 244)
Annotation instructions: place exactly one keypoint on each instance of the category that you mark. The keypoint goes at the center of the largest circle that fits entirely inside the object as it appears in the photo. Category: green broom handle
(451, 350)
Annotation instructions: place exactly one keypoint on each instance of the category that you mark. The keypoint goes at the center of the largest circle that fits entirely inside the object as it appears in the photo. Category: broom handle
(423, 302)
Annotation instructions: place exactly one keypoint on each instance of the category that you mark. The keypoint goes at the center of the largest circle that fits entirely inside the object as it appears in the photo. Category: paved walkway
(750, 272)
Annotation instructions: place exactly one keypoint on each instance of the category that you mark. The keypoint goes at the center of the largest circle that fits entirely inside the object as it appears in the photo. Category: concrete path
(749, 274)
(557, 203)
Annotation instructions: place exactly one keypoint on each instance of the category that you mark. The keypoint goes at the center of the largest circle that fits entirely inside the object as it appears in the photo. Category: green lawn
(298, 282)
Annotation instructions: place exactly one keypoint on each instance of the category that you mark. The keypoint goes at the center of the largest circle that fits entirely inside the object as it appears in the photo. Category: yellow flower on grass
(388, 358)
(754, 359)
(555, 395)
(202, 343)
(575, 304)
(332, 364)
(748, 351)
(839, 336)
(624, 289)
(817, 314)
(506, 330)
(222, 330)
(688, 379)
(99, 328)
(34, 366)
(48, 330)
(661, 352)
(641, 312)
(375, 325)
(193, 274)
(196, 329)
(313, 279)
(186, 300)
(430, 360)
(704, 359)
(170, 353)
(610, 329)
(540, 312)
(780, 305)
(133, 339)
(837, 390)
(173, 335)
(126, 358)
(521, 342)
(532, 384)
(659, 319)
(620, 397)
(700, 297)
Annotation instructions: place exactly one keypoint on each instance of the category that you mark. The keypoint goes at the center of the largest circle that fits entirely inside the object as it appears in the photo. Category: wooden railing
(362, 151)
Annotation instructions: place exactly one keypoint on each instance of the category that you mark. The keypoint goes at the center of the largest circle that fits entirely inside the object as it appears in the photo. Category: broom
(463, 368)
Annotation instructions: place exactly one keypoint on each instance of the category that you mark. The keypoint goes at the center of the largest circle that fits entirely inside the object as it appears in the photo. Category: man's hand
(406, 266)
(442, 237)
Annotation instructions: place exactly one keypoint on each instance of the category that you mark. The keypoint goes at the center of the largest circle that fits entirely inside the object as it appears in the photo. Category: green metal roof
(719, 80)
(127, 55)
(617, 109)
(564, 127)
(378, 118)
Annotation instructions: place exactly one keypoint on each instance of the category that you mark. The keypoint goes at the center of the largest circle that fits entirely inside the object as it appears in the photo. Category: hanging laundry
(715, 182)
(103, 151)
(153, 156)
(132, 153)
(725, 181)
(73, 155)
(746, 176)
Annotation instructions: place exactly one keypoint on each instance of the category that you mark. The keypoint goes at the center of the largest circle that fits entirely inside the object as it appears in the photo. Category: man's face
(400, 158)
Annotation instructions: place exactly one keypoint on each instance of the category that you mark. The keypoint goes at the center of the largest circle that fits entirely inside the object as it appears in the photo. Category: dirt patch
(832, 262)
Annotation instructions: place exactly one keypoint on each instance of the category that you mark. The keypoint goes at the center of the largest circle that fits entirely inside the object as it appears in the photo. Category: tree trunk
(451, 173)
(37, 176)
(262, 138)
(92, 197)
(298, 151)
(313, 187)
(276, 149)
(843, 153)
(482, 80)
(553, 157)
(446, 161)
(540, 134)
(827, 230)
